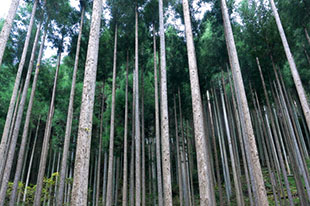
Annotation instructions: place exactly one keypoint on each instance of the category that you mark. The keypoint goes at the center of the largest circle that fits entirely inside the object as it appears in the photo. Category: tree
(6, 29)
(17, 125)
(203, 161)
(164, 112)
(291, 61)
(111, 146)
(261, 196)
(70, 115)
(80, 183)
(8, 120)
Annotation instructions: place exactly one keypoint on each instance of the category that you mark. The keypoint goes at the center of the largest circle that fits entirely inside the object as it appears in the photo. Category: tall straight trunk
(11, 152)
(46, 138)
(30, 162)
(104, 189)
(143, 140)
(239, 195)
(34, 85)
(125, 170)
(203, 163)
(6, 29)
(243, 152)
(94, 188)
(111, 146)
(291, 61)
(64, 162)
(178, 154)
(306, 33)
(157, 131)
(186, 188)
(276, 138)
(81, 167)
(244, 109)
(217, 167)
(164, 112)
(118, 162)
(8, 121)
(132, 156)
(137, 115)
(100, 148)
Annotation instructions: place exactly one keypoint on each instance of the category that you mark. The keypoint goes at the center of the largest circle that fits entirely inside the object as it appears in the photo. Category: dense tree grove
(154, 102)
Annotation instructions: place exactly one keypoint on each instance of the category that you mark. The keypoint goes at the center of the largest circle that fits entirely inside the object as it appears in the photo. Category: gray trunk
(164, 113)
(111, 144)
(30, 163)
(69, 118)
(157, 130)
(137, 117)
(203, 163)
(81, 167)
(244, 109)
(10, 158)
(6, 29)
(3, 145)
(294, 71)
(46, 138)
(125, 172)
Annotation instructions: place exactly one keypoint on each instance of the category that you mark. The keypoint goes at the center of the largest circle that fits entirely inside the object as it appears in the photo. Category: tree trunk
(47, 134)
(11, 152)
(157, 131)
(125, 178)
(69, 118)
(178, 154)
(132, 156)
(217, 167)
(294, 71)
(6, 29)
(30, 162)
(244, 109)
(137, 116)
(100, 148)
(81, 167)
(164, 112)
(3, 145)
(279, 151)
(104, 189)
(306, 33)
(143, 140)
(118, 162)
(111, 147)
(204, 171)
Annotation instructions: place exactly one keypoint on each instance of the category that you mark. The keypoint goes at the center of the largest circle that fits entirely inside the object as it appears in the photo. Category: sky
(5, 5)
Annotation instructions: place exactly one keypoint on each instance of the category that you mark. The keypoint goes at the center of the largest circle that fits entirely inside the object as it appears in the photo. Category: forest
(155, 102)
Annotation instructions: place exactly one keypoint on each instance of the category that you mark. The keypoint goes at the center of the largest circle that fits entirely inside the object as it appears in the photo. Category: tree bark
(243, 108)
(64, 162)
(204, 171)
(10, 158)
(125, 178)
(111, 146)
(100, 148)
(306, 33)
(81, 169)
(3, 145)
(137, 115)
(30, 162)
(164, 112)
(294, 71)
(157, 130)
(143, 140)
(46, 138)
(178, 153)
(6, 29)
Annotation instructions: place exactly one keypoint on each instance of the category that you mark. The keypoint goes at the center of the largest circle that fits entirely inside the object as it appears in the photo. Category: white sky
(5, 4)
